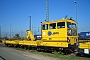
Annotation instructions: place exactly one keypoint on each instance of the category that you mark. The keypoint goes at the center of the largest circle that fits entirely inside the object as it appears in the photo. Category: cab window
(45, 27)
(71, 25)
(53, 26)
(61, 25)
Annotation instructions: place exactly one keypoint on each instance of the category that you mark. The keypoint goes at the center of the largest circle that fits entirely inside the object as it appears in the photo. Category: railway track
(83, 41)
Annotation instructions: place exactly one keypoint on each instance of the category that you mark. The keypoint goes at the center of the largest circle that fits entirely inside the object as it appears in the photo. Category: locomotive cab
(71, 31)
(59, 33)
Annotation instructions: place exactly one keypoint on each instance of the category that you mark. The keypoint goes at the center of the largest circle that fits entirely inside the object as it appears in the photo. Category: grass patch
(56, 55)
(61, 56)
(20, 49)
(68, 57)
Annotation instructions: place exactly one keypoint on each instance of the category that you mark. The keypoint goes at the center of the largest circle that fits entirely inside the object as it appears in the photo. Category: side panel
(84, 48)
(85, 45)
(21, 42)
(12, 42)
(55, 44)
(54, 34)
(33, 43)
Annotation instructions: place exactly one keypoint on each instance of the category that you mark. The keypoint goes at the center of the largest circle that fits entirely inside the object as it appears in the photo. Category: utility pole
(76, 20)
(32, 29)
(10, 30)
(47, 11)
(6, 34)
(21, 34)
(30, 24)
(35, 32)
(76, 9)
(38, 29)
(12, 33)
(0, 31)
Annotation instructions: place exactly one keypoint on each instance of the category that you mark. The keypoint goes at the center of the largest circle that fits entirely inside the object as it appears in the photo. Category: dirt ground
(29, 54)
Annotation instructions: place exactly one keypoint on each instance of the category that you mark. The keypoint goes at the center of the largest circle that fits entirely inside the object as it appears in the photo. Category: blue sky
(16, 12)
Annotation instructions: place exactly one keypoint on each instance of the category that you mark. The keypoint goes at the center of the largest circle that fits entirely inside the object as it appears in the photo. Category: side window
(45, 27)
(61, 25)
(53, 26)
(73, 25)
(69, 25)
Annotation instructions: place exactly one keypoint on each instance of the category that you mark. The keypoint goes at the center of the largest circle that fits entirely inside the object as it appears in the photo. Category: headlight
(68, 40)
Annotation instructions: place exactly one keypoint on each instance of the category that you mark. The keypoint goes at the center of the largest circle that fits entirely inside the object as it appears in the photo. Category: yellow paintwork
(85, 45)
(29, 43)
(57, 40)
(26, 42)
(55, 44)
(62, 20)
(21, 42)
(12, 41)
(39, 42)
(60, 38)
(29, 35)
(72, 39)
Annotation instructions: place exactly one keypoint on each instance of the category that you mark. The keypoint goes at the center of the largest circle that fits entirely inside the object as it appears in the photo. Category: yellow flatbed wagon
(29, 43)
(11, 42)
(84, 48)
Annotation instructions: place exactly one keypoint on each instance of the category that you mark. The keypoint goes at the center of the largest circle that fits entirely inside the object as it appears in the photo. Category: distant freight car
(84, 35)
(37, 37)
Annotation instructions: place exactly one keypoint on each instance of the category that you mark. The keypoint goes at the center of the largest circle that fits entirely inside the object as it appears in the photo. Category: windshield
(72, 31)
(71, 25)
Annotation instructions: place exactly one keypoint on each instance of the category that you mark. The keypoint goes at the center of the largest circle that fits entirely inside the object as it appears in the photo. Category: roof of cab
(62, 20)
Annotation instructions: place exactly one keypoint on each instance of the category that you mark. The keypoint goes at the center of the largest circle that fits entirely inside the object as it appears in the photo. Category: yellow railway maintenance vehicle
(59, 35)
